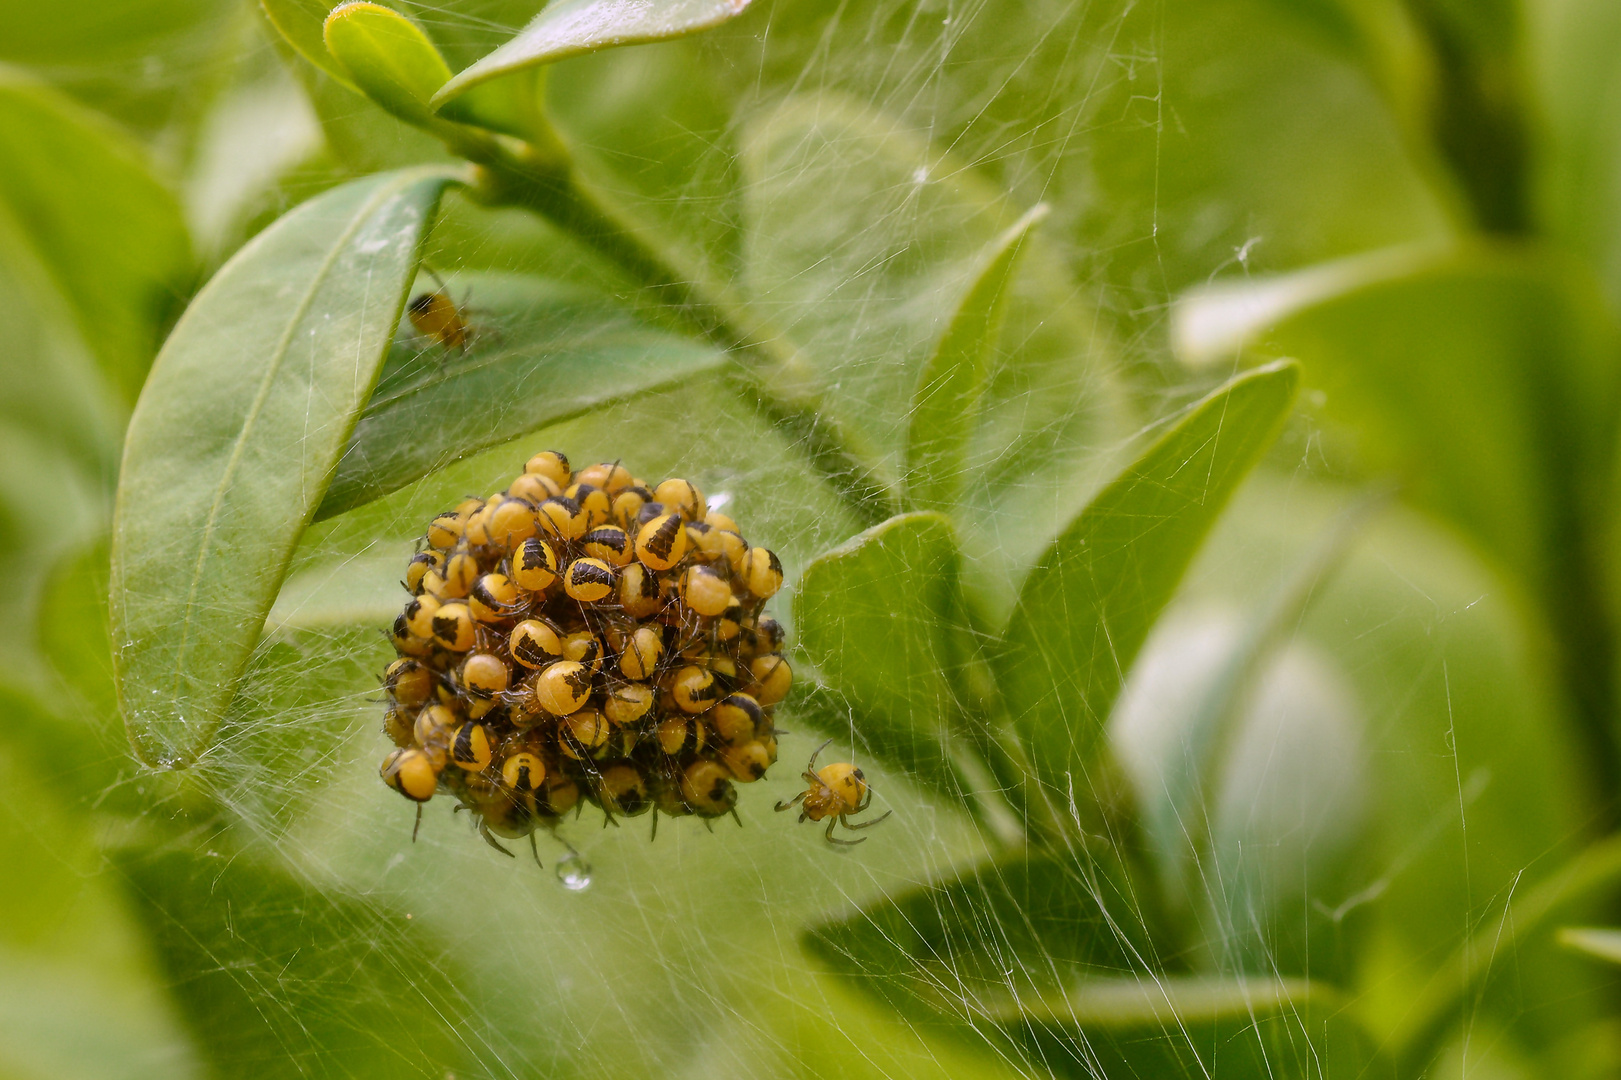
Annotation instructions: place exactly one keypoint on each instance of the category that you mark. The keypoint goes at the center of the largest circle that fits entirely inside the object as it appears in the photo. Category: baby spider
(439, 318)
(835, 793)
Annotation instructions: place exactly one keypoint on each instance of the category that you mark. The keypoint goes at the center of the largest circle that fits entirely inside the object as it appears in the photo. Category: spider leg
(811, 768)
(785, 804)
(484, 831)
(655, 834)
(534, 850)
(866, 801)
(834, 840)
(571, 849)
(736, 818)
(843, 843)
(865, 824)
(418, 825)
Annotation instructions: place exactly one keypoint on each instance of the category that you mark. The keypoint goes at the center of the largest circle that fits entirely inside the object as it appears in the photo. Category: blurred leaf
(1491, 377)
(1164, 1002)
(1247, 826)
(1473, 779)
(946, 405)
(820, 1026)
(1258, 1028)
(279, 978)
(235, 438)
(110, 234)
(1086, 608)
(73, 630)
(89, 34)
(1602, 942)
(571, 27)
(301, 22)
(388, 56)
(1570, 50)
(78, 993)
(1219, 721)
(541, 352)
(259, 143)
(880, 617)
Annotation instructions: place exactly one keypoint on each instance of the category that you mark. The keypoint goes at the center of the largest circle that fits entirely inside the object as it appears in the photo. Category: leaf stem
(774, 375)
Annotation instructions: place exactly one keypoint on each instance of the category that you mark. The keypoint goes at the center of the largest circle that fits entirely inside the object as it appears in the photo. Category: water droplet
(574, 872)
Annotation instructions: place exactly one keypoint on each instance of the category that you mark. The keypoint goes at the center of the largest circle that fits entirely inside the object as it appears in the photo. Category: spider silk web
(843, 165)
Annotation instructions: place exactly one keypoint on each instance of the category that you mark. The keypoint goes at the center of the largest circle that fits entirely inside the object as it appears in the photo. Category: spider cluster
(584, 637)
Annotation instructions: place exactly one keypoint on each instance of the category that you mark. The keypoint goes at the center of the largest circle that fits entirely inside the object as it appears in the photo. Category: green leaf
(79, 997)
(110, 235)
(860, 238)
(513, 105)
(1435, 650)
(1199, 728)
(540, 352)
(1602, 942)
(571, 27)
(879, 618)
(272, 970)
(235, 437)
(1248, 813)
(301, 22)
(1086, 608)
(389, 58)
(1094, 1004)
(946, 405)
(1046, 961)
(1486, 376)
(926, 951)
(1569, 62)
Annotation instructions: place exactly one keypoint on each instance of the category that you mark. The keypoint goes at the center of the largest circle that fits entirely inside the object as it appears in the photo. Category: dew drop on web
(574, 872)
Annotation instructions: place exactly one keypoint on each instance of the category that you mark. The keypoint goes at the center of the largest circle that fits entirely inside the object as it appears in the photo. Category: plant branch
(773, 373)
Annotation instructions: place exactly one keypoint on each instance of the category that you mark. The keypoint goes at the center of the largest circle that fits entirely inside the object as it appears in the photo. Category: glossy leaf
(880, 617)
(1086, 608)
(388, 56)
(235, 437)
(540, 352)
(108, 232)
(301, 23)
(571, 27)
(946, 406)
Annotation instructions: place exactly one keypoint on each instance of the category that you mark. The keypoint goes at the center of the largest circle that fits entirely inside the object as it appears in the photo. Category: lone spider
(835, 793)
